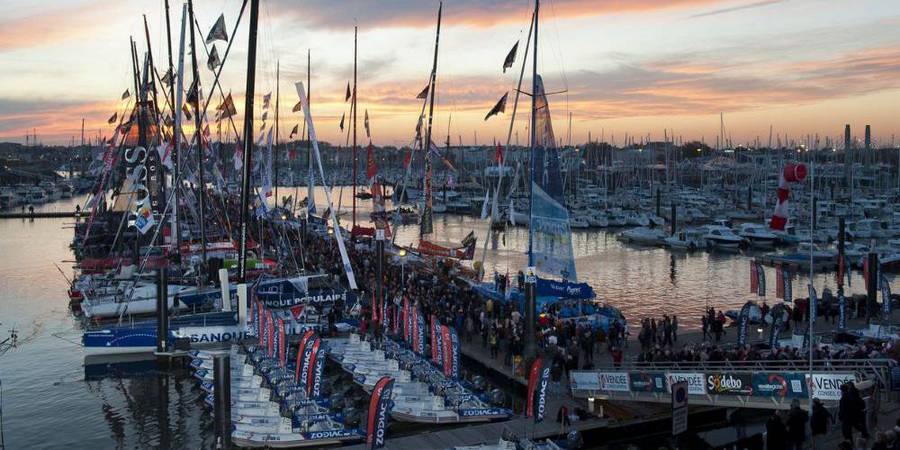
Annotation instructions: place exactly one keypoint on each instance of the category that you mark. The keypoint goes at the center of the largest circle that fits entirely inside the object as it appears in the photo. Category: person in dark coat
(851, 412)
(776, 433)
(796, 425)
(820, 419)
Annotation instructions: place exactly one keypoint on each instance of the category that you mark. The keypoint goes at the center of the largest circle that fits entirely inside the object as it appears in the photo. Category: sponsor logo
(482, 412)
(827, 386)
(722, 383)
(542, 394)
(330, 434)
(213, 335)
(696, 381)
(613, 381)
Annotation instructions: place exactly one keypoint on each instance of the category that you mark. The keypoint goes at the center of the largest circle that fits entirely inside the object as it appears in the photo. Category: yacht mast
(248, 137)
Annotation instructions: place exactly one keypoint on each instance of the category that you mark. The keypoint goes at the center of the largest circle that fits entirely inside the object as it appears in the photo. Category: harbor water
(51, 399)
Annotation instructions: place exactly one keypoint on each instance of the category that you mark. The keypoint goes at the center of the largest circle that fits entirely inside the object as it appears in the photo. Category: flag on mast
(218, 32)
(510, 57)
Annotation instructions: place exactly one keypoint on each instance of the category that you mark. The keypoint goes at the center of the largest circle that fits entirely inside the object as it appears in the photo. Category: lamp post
(402, 254)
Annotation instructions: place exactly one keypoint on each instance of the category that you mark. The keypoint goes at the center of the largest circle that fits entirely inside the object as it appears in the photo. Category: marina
(219, 268)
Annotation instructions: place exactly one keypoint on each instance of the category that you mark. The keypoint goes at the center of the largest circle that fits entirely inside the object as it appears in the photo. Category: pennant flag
(347, 96)
(294, 131)
(379, 407)
(192, 94)
(126, 94)
(266, 99)
(813, 306)
(510, 57)
(342, 121)
(498, 108)
(424, 93)
(310, 367)
(297, 108)
(213, 62)
(744, 323)
(218, 33)
(167, 78)
(227, 107)
(366, 124)
(113, 118)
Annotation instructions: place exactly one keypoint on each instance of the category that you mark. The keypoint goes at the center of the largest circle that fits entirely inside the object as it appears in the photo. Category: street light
(402, 254)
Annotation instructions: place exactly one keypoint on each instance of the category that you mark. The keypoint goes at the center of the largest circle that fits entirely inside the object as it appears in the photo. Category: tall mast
(353, 110)
(199, 139)
(275, 152)
(426, 146)
(534, 84)
(176, 137)
(248, 136)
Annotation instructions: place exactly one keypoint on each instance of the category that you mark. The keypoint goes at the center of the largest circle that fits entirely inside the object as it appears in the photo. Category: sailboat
(550, 252)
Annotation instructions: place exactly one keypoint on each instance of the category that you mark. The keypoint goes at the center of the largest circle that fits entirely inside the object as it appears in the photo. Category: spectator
(796, 425)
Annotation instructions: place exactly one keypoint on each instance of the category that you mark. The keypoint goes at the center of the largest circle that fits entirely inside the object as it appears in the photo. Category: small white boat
(579, 222)
(758, 236)
(690, 239)
(643, 235)
(722, 237)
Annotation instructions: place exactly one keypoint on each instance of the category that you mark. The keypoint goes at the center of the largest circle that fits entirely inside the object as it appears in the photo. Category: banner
(543, 382)
(317, 297)
(744, 323)
(454, 354)
(813, 306)
(754, 278)
(301, 349)
(563, 289)
(446, 351)
(788, 288)
(827, 386)
(310, 366)
(778, 314)
(726, 383)
(779, 281)
(407, 322)
(420, 332)
(318, 372)
(885, 295)
(436, 345)
(696, 381)
(270, 334)
(613, 381)
(780, 385)
(282, 344)
(379, 406)
(261, 325)
(533, 375)
(647, 382)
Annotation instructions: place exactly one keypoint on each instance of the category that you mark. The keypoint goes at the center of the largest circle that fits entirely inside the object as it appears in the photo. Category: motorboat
(637, 219)
(579, 222)
(720, 236)
(643, 235)
(689, 239)
(758, 236)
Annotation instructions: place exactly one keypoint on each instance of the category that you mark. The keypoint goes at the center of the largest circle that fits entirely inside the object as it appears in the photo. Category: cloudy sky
(634, 67)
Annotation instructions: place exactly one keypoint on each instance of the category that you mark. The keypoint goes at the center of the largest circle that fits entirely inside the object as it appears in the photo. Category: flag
(532, 385)
(192, 94)
(510, 57)
(342, 121)
(544, 380)
(112, 119)
(187, 112)
(498, 108)
(498, 155)
(379, 408)
(167, 78)
(761, 285)
(347, 96)
(298, 107)
(227, 107)
(371, 168)
(779, 281)
(294, 131)
(366, 124)
(218, 33)
(424, 93)
(213, 62)
(266, 99)
(885, 295)
(126, 94)
(300, 350)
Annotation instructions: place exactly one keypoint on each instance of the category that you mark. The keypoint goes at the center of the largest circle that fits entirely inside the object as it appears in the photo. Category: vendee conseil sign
(781, 385)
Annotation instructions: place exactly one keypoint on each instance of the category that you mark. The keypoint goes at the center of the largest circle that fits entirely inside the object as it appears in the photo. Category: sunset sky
(626, 66)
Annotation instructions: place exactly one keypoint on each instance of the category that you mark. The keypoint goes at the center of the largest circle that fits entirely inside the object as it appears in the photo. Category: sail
(549, 222)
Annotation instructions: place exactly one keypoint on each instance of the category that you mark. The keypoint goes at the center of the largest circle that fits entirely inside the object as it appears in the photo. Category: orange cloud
(53, 25)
